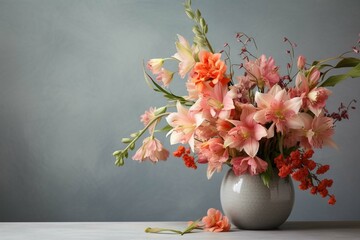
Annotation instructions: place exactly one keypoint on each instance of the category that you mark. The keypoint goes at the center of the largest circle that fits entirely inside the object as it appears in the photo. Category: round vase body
(249, 204)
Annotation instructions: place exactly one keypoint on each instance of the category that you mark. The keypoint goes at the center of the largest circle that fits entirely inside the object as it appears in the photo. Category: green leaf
(197, 15)
(333, 80)
(196, 30)
(202, 23)
(265, 177)
(355, 71)
(189, 13)
(126, 140)
(348, 62)
(324, 66)
(160, 110)
(205, 28)
(165, 129)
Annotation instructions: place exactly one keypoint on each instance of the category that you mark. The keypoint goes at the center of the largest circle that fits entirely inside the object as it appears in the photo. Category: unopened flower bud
(301, 62)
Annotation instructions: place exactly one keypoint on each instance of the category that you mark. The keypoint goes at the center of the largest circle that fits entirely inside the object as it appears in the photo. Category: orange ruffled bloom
(209, 71)
(215, 221)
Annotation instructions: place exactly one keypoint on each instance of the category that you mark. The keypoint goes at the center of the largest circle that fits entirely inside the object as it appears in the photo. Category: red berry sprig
(303, 169)
(184, 153)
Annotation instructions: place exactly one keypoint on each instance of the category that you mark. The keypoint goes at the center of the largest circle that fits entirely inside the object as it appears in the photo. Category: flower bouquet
(244, 113)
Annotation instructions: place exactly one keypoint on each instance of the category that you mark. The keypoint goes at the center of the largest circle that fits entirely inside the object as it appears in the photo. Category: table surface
(135, 230)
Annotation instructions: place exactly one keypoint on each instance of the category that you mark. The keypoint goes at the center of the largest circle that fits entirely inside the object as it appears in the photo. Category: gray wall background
(71, 86)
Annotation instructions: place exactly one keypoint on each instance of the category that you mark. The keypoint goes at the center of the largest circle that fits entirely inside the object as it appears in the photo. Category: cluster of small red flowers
(301, 168)
(185, 155)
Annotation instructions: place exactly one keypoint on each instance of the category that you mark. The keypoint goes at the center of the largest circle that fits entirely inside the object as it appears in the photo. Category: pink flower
(318, 131)
(301, 62)
(165, 76)
(185, 54)
(152, 150)
(215, 221)
(243, 87)
(193, 93)
(213, 153)
(246, 134)
(252, 165)
(277, 107)
(314, 98)
(155, 65)
(218, 103)
(184, 124)
(147, 117)
(263, 71)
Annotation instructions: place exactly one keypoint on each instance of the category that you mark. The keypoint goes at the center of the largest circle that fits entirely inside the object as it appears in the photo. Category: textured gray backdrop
(71, 85)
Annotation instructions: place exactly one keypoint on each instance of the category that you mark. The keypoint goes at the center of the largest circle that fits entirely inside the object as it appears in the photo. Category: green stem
(208, 44)
(332, 58)
(158, 230)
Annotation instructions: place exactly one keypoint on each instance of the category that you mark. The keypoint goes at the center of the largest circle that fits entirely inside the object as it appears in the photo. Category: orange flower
(215, 221)
(209, 71)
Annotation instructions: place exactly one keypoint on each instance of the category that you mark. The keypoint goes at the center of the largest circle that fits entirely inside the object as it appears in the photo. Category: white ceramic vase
(249, 204)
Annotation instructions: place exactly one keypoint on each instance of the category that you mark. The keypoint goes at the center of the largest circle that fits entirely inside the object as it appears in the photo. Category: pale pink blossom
(215, 221)
(277, 107)
(155, 65)
(185, 54)
(184, 124)
(245, 134)
(263, 71)
(165, 76)
(251, 165)
(152, 150)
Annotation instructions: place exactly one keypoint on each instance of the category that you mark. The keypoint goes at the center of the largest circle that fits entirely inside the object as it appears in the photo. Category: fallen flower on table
(214, 221)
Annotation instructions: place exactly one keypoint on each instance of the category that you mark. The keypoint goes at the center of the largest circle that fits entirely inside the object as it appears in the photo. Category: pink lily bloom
(316, 133)
(263, 71)
(277, 107)
(218, 102)
(185, 54)
(152, 150)
(314, 98)
(251, 165)
(246, 134)
(184, 125)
